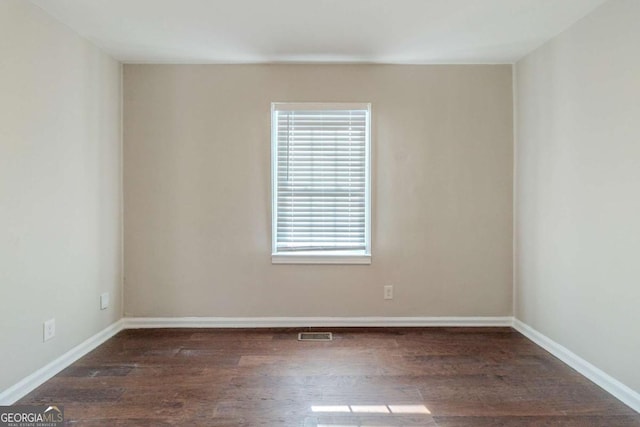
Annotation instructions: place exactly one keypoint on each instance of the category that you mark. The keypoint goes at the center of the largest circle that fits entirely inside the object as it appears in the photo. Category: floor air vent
(315, 336)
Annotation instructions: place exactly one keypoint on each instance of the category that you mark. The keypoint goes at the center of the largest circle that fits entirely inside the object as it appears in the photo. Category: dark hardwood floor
(365, 377)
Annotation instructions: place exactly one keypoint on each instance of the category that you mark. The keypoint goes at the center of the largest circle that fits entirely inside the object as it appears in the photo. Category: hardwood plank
(254, 377)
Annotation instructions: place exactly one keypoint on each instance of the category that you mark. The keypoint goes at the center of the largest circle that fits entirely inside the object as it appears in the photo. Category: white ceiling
(371, 31)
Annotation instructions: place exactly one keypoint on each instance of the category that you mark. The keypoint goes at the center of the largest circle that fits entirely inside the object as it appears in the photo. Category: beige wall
(578, 190)
(197, 192)
(60, 226)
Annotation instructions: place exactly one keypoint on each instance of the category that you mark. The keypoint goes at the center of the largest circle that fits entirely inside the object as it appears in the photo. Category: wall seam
(514, 212)
(122, 280)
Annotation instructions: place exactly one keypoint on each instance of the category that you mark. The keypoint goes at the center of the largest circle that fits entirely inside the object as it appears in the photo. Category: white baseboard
(28, 384)
(608, 383)
(614, 387)
(298, 322)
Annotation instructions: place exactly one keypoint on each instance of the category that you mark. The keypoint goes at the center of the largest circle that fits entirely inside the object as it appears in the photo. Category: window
(321, 183)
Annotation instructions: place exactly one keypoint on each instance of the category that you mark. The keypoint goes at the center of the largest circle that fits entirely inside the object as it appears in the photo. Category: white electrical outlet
(104, 301)
(388, 292)
(49, 329)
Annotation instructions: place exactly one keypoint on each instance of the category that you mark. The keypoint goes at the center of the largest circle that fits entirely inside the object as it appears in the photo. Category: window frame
(327, 256)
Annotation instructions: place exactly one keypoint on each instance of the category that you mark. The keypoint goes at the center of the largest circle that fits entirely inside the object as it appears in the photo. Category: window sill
(345, 257)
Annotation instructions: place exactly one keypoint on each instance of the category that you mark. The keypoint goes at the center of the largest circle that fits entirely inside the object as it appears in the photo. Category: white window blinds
(320, 177)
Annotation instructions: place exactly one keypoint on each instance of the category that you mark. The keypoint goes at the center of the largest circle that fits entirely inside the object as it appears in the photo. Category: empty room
(320, 213)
